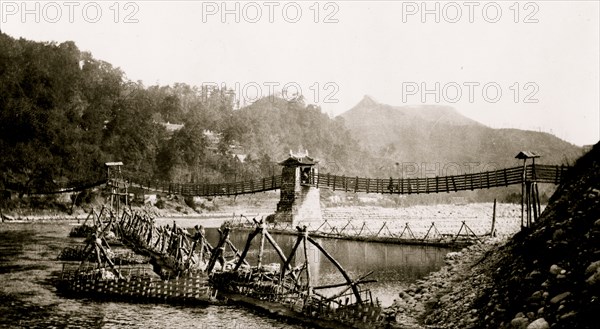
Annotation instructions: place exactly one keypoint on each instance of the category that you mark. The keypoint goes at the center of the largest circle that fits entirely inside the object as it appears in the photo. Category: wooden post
(306, 263)
(432, 227)
(534, 200)
(523, 194)
(275, 246)
(246, 248)
(528, 203)
(410, 231)
(164, 242)
(493, 229)
(339, 267)
(262, 245)
(218, 250)
(401, 185)
(286, 265)
(200, 241)
(537, 195)
(345, 182)
(381, 229)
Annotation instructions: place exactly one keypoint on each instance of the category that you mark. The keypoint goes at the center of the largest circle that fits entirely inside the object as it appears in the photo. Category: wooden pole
(306, 263)
(200, 241)
(458, 233)
(218, 250)
(339, 267)
(533, 201)
(528, 203)
(523, 178)
(262, 245)
(235, 251)
(246, 248)
(429, 230)
(537, 194)
(493, 229)
(275, 246)
(286, 265)
(101, 250)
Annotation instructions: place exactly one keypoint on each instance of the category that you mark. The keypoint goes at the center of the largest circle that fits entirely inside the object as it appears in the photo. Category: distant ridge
(439, 133)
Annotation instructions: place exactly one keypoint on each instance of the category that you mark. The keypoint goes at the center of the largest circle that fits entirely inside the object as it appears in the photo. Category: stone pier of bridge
(300, 198)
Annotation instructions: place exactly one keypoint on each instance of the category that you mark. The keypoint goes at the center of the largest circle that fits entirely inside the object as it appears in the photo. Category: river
(28, 265)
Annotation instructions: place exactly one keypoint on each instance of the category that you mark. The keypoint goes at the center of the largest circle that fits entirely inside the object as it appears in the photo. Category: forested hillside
(64, 113)
(272, 125)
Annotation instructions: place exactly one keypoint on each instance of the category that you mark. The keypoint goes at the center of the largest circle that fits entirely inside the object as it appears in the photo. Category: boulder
(539, 324)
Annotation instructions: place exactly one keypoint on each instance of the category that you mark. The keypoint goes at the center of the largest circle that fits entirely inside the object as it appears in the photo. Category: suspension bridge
(439, 184)
(300, 182)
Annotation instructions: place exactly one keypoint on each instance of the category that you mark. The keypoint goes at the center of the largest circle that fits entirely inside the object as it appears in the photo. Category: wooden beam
(338, 266)
(275, 246)
(246, 248)
(286, 265)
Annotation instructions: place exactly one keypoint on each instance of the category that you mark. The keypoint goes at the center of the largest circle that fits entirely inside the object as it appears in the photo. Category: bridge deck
(453, 183)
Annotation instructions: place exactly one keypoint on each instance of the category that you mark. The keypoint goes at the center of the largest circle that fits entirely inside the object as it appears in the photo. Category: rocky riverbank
(547, 276)
(409, 311)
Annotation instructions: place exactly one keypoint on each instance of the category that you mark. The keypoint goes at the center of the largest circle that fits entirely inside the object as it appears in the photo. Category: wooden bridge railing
(547, 173)
(221, 189)
(453, 183)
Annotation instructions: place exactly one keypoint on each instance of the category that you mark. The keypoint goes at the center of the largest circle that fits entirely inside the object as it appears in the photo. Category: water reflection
(394, 266)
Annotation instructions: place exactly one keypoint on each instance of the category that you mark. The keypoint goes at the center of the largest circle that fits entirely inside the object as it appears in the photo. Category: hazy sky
(542, 56)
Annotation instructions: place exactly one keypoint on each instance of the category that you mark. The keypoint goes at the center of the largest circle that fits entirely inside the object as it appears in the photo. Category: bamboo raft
(184, 269)
(100, 283)
(163, 273)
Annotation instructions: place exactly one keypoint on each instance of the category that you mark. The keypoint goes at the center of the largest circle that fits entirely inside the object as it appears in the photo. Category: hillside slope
(546, 277)
(273, 126)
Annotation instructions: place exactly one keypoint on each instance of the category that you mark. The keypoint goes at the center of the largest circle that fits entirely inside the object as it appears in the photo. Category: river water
(28, 265)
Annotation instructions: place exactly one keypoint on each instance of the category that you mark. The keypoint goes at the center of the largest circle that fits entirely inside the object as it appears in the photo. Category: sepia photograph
(300, 164)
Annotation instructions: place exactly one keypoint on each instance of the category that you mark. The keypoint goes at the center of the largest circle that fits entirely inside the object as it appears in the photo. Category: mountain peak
(367, 101)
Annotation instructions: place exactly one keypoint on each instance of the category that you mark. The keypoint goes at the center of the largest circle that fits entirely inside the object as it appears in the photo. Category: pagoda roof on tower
(527, 155)
(298, 161)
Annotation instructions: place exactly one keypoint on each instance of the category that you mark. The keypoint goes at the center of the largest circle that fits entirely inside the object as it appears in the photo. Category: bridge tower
(300, 198)
(530, 195)
(117, 185)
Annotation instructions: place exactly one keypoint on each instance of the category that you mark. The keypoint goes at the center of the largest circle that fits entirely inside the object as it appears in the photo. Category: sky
(527, 65)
